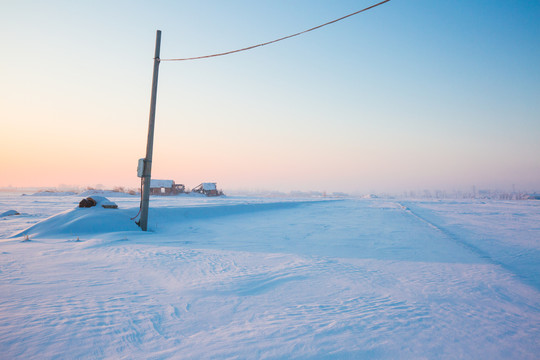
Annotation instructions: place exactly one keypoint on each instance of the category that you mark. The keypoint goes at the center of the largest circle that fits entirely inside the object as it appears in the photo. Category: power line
(280, 39)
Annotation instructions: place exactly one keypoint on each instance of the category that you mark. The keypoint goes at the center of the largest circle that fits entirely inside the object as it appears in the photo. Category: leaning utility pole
(143, 222)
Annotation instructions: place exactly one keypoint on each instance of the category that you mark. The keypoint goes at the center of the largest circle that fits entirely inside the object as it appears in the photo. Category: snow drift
(98, 220)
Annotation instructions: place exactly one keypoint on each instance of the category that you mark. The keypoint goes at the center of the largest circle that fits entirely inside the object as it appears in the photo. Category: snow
(9, 213)
(247, 277)
(105, 193)
(103, 201)
(209, 186)
(155, 183)
(52, 193)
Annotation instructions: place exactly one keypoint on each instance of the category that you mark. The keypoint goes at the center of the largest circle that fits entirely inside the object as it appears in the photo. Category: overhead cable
(280, 39)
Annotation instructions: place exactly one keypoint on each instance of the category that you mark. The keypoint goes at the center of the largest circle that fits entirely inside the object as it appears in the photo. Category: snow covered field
(240, 277)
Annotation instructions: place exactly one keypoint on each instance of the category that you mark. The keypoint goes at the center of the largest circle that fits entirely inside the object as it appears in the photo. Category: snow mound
(82, 221)
(52, 193)
(104, 202)
(97, 220)
(9, 213)
(108, 193)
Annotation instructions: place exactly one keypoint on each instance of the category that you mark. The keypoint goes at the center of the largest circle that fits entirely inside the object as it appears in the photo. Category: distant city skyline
(423, 95)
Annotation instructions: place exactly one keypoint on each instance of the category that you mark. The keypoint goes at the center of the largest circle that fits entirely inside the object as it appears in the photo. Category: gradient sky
(410, 95)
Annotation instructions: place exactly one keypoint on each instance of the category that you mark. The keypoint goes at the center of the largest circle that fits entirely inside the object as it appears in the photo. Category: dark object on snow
(109, 206)
(88, 202)
(10, 213)
(97, 201)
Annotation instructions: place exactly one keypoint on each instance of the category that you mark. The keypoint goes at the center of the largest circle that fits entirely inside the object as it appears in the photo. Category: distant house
(165, 187)
(208, 189)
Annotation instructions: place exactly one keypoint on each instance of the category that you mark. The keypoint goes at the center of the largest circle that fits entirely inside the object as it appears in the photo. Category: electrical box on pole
(147, 167)
(140, 168)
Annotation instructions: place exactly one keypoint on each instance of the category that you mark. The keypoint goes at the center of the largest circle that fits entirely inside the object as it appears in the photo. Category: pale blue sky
(412, 94)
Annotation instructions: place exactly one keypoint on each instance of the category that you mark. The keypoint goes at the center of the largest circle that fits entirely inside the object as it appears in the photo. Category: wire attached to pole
(140, 204)
(280, 39)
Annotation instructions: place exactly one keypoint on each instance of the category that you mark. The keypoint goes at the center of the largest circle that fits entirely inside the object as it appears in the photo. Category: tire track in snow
(465, 244)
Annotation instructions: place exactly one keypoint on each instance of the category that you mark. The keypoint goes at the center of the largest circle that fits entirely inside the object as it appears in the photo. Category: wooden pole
(143, 222)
